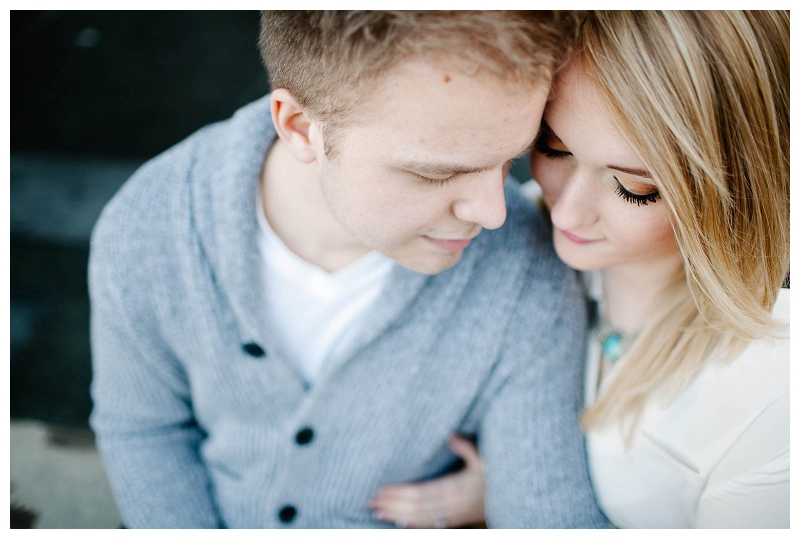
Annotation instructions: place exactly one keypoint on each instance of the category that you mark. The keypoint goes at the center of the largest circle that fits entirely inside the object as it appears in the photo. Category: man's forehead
(434, 118)
(447, 65)
(485, 93)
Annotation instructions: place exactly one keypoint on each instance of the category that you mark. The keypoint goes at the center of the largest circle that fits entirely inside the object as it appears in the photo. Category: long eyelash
(542, 147)
(633, 198)
(431, 181)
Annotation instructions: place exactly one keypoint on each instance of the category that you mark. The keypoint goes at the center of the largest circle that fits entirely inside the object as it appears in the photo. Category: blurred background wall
(93, 95)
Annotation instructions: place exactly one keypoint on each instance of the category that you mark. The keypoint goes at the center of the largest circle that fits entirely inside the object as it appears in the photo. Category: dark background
(128, 84)
(94, 95)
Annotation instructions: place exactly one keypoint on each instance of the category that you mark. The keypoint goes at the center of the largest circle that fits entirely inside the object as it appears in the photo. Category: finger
(416, 515)
(418, 497)
(408, 516)
(456, 498)
(465, 449)
(414, 502)
(410, 493)
(448, 494)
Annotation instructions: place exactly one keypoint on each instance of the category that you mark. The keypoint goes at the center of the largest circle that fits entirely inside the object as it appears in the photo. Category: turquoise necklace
(613, 343)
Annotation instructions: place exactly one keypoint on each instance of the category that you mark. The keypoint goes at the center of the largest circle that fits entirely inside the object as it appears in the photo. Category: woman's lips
(577, 239)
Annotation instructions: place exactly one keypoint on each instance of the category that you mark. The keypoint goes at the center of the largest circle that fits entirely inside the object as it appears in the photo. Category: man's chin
(429, 264)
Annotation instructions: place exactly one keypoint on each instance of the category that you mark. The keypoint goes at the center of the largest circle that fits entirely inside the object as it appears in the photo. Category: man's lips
(577, 239)
(449, 245)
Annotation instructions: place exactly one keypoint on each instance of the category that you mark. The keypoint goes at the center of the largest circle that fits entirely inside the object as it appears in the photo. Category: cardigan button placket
(253, 349)
(287, 514)
(304, 436)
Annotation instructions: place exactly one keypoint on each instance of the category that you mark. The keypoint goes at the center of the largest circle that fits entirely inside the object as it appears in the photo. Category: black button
(287, 514)
(253, 349)
(304, 436)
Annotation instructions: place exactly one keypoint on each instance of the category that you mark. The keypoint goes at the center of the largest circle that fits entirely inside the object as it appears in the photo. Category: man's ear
(292, 124)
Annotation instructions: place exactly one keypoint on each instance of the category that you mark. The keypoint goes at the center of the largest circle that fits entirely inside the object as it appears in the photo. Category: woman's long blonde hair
(703, 98)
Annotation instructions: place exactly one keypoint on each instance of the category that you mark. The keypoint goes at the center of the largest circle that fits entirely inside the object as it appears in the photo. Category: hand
(452, 501)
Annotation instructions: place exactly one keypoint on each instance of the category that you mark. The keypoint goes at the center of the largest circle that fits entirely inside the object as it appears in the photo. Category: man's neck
(298, 213)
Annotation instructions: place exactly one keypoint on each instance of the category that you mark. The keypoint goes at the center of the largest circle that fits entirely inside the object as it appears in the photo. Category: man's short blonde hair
(328, 59)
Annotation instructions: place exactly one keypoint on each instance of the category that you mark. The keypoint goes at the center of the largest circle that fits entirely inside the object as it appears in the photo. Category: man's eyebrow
(437, 169)
(446, 169)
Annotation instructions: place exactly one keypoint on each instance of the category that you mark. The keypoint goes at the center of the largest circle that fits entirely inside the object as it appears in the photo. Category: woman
(664, 162)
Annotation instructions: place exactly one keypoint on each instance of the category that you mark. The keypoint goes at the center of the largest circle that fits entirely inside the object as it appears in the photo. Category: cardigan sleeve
(533, 450)
(142, 415)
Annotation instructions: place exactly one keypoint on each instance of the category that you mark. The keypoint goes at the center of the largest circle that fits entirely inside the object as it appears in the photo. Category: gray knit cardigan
(201, 422)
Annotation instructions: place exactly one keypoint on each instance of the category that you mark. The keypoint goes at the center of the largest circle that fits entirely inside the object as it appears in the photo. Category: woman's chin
(577, 260)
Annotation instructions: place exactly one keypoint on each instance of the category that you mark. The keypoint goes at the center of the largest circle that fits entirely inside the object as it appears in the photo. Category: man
(297, 306)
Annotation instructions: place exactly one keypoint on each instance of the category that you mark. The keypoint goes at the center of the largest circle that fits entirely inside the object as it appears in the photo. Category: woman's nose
(574, 205)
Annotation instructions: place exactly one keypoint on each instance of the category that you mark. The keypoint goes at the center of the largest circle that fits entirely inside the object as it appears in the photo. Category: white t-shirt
(315, 314)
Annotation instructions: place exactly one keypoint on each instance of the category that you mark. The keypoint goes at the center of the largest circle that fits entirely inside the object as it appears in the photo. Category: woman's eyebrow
(632, 171)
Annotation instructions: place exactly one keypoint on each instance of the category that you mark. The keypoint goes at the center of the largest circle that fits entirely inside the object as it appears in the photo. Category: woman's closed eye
(640, 199)
(548, 150)
(549, 145)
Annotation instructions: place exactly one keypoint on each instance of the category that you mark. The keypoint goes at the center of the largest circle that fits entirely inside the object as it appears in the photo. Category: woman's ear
(292, 124)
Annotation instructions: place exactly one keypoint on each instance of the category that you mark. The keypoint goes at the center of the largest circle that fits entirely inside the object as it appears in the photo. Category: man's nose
(483, 200)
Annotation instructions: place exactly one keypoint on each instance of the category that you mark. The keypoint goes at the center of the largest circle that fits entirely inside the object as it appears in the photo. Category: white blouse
(715, 457)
